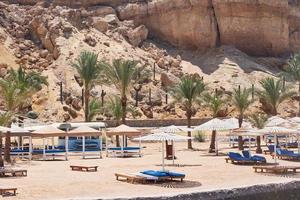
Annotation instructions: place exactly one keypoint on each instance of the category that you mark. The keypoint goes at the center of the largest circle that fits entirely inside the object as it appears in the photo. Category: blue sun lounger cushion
(162, 174)
(155, 173)
(237, 157)
(257, 158)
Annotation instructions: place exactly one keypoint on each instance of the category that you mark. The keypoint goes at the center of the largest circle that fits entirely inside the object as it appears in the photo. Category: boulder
(43, 53)
(100, 24)
(168, 80)
(101, 11)
(76, 104)
(32, 115)
(72, 113)
(90, 40)
(137, 35)
(111, 19)
(147, 111)
(66, 117)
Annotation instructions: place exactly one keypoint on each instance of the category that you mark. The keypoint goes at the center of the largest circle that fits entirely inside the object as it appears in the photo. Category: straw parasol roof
(84, 131)
(276, 121)
(215, 125)
(168, 129)
(48, 131)
(278, 130)
(245, 132)
(123, 130)
(163, 136)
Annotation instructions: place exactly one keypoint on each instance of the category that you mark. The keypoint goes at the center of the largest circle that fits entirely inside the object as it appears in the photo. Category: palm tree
(89, 70)
(24, 80)
(259, 121)
(215, 102)
(95, 108)
(292, 71)
(121, 74)
(241, 100)
(4, 121)
(188, 93)
(16, 90)
(273, 93)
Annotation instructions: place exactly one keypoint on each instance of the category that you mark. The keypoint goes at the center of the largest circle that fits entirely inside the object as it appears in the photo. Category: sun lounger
(8, 191)
(275, 169)
(4, 172)
(84, 168)
(287, 155)
(165, 174)
(126, 152)
(237, 158)
(256, 158)
(131, 178)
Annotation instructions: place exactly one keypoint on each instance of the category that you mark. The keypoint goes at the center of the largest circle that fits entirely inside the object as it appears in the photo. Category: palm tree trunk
(86, 103)
(124, 106)
(258, 149)
(212, 146)
(117, 136)
(7, 147)
(189, 132)
(1, 159)
(240, 138)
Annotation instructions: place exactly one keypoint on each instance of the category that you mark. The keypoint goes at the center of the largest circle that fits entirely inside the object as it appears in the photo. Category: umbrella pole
(217, 148)
(30, 148)
(275, 149)
(173, 152)
(140, 147)
(298, 144)
(249, 138)
(100, 145)
(83, 147)
(44, 149)
(66, 147)
(163, 156)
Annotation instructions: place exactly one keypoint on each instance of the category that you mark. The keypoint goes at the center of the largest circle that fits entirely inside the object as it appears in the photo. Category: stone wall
(157, 122)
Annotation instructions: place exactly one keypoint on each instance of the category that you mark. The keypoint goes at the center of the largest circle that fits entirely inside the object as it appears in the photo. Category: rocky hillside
(209, 38)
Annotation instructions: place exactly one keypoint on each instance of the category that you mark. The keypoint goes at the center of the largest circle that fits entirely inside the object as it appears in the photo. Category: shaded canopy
(278, 130)
(48, 131)
(243, 131)
(163, 136)
(215, 125)
(84, 131)
(123, 130)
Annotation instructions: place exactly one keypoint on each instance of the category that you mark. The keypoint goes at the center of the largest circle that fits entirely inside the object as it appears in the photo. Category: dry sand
(55, 180)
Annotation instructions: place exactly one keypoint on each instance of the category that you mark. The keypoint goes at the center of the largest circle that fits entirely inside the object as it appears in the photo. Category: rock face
(188, 24)
(261, 28)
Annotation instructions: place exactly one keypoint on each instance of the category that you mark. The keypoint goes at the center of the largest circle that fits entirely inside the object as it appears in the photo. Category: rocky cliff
(260, 28)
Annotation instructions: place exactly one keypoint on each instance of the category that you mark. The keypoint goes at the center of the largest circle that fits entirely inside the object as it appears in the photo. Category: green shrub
(199, 136)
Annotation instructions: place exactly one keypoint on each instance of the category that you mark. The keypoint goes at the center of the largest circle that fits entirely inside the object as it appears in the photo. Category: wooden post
(103, 93)
(154, 71)
(137, 88)
(82, 96)
(166, 97)
(239, 89)
(61, 92)
(150, 102)
(252, 91)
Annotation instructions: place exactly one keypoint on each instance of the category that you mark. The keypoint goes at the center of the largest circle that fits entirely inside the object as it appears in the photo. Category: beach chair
(287, 155)
(256, 158)
(237, 158)
(276, 169)
(84, 168)
(270, 149)
(7, 172)
(136, 177)
(164, 175)
(8, 191)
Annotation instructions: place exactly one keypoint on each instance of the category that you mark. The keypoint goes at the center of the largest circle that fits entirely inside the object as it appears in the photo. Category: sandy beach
(204, 172)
